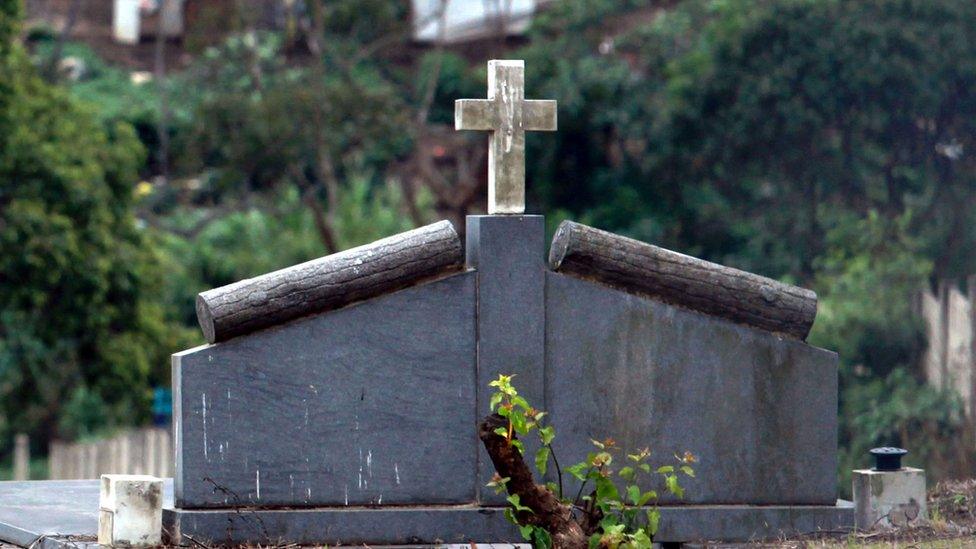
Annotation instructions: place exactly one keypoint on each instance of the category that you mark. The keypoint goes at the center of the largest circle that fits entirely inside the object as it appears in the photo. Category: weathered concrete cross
(508, 115)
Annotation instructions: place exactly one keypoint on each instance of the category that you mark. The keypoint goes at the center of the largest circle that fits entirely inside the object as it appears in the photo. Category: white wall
(470, 19)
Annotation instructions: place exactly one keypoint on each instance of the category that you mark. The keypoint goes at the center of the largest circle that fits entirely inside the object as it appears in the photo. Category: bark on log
(682, 280)
(547, 511)
(329, 282)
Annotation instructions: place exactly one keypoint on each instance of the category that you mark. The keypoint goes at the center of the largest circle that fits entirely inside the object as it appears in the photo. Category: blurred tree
(731, 128)
(255, 124)
(867, 276)
(77, 276)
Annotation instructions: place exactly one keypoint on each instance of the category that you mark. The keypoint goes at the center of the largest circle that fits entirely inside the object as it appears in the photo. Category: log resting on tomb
(330, 282)
(678, 279)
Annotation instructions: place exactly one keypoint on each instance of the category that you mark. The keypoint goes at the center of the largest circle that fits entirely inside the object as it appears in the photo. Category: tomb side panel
(758, 410)
(371, 404)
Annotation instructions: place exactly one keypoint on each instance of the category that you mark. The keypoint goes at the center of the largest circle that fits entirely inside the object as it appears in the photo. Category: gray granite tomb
(356, 424)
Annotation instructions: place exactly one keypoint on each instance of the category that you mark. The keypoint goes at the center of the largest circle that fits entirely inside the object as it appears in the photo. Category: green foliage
(870, 269)
(628, 518)
(899, 410)
(258, 240)
(867, 275)
(78, 276)
(734, 129)
(108, 90)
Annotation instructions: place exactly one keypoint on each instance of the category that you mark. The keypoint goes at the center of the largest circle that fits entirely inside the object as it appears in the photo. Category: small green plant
(611, 517)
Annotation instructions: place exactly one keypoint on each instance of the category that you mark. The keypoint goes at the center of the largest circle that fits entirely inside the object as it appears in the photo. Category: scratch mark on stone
(257, 482)
(369, 463)
(203, 398)
(346, 493)
(396, 472)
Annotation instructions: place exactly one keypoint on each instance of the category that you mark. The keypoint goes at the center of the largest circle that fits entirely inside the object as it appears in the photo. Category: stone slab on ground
(759, 410)
(54, 514)
(366, 405)
(461, 524)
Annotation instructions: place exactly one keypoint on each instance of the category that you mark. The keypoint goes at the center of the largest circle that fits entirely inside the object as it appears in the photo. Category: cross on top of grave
(508, 115)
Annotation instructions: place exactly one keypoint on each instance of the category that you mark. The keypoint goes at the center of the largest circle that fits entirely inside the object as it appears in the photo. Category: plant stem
(559, 471)
(580, 493)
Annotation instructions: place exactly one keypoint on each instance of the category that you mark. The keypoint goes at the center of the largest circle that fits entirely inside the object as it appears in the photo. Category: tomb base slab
(463, 524)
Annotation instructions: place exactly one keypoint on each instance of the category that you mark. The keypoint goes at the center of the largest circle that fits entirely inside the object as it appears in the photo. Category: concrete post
(130, 511)
(889, 498)
(21, 457)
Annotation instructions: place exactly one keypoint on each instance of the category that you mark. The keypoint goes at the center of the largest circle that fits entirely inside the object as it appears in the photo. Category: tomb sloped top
(637, 267)
(330, 282)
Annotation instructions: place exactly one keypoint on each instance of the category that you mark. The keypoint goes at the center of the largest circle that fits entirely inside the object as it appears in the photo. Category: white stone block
(889, 498)
(130, 511)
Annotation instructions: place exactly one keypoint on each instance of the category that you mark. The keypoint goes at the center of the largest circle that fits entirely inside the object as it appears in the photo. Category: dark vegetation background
(825, 143)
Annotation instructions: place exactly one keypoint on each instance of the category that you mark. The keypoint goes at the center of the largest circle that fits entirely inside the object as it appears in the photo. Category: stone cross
(508, 115)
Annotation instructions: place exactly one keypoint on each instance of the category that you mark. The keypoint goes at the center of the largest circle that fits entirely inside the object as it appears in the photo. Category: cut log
(329, 282)
(678, 279)
(547, 511)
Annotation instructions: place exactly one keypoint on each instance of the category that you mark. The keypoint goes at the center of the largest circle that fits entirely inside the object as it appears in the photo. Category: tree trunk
(547, 511)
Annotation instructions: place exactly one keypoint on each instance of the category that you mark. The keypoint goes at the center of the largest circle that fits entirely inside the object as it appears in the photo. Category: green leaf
(527, 532)
(633, 494)
(541, 539)
(521, 403)
(496, 399)
(609, 523)
(688, 470)
(665, 469)
(578, 471)
(653, 521)
(546, 434)
(606, 490)
(646, 497)
(641, 540)
(594, 541)
(516, 503)
(502, 432)
(645, 467)
(671, 481)
(518, 445)
(510, 515)
(627, 473)
(542, 459)
(518, 422)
